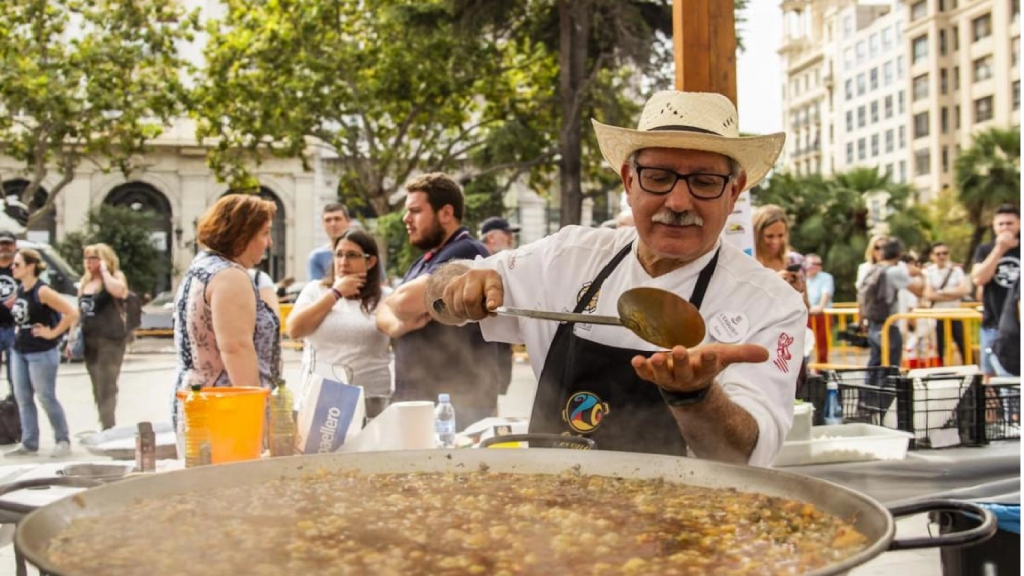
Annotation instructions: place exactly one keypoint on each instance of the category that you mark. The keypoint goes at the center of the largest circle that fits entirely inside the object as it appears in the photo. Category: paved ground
(148, 374)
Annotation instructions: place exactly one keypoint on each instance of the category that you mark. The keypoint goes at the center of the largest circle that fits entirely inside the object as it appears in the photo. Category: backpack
(871, 298)
(10, 421)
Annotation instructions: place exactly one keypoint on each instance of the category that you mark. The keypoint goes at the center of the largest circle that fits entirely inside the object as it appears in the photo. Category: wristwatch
(677, 399)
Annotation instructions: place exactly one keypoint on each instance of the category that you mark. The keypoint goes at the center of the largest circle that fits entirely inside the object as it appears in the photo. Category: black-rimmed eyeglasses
(704, 186)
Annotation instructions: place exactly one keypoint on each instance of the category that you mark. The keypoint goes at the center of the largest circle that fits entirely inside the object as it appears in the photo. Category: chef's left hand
(689, 370)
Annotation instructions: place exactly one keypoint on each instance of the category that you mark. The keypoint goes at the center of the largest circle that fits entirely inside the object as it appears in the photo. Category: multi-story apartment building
(904, 84)
(964, 77)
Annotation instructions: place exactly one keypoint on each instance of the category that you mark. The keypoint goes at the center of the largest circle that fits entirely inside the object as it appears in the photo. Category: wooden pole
(704, 41)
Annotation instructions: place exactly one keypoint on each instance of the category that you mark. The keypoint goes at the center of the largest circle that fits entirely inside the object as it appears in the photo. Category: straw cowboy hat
(693, 121)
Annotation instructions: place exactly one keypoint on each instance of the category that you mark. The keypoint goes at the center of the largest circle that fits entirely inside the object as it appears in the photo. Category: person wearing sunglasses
(336, 317)
(945, 286)
(730, 397)
(41, 315)
(872, 256)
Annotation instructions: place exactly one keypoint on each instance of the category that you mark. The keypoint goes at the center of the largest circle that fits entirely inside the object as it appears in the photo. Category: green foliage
(948, 221)
(87, 80)
(400, 254)
(128, 232)
(987, 175)
(829, 217)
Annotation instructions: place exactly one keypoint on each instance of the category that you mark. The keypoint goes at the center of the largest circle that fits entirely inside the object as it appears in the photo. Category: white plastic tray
(845, 443)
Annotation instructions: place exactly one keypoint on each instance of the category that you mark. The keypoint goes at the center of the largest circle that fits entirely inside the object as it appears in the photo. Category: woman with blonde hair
(872, 256)
(101, 295)
(771, 237)
(224, 333)
(41, 315)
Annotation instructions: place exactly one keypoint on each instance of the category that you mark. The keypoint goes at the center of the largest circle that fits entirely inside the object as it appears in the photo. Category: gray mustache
(685, 218)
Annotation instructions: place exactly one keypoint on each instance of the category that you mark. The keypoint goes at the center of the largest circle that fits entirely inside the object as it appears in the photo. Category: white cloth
(935, 278)
(552, 273)
(349, 337)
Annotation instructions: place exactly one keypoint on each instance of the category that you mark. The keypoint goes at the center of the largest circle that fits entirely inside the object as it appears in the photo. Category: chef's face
(677, 225)
(422, 223)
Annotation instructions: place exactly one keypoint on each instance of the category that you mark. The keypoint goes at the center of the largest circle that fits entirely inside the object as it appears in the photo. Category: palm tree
(987, 175)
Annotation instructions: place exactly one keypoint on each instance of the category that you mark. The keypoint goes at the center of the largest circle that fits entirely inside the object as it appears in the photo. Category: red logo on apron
(782, 355)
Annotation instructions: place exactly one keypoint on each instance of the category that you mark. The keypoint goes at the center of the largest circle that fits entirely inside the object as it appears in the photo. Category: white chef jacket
(744, 303)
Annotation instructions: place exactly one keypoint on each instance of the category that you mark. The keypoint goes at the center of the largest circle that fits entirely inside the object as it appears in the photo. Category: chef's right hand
(473, 295)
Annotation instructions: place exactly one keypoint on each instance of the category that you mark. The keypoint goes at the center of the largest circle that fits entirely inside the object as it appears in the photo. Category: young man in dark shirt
(432, 358)
(8, 290)
(996, 269)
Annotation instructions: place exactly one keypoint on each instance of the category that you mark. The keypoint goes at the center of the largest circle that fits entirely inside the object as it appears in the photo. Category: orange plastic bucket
(236, 419)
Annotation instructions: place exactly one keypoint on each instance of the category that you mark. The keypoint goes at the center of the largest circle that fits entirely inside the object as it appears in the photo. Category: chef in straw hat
(729, 398)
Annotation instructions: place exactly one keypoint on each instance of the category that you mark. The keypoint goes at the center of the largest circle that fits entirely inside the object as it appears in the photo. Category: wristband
(337, 294)
(676, 399)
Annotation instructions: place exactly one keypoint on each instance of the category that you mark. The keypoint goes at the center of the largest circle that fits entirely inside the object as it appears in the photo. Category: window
(848, 58)
(943, 81)
(899, 31)
(874, 112)
(922, 162)
(956, 78)
(919, 49)
(849, 89)
(874, 78)
(1015, 10)
(847, 26)
(874, 145)
(862, 51)
(945, 159)
(982, 109)
(956, 116)
(903, 137)
(900, 98)
(849, 120)
(983, 69)
(899, 67)
(873, 45)
(886, 39)
(920, 87)
(942, 42)
(849, 152)
(1015, 52)
(920, 125)
(888, 106)
(861, 117)
(861, 84)
(890, 142)
(918, 10)
(942, 5)
(982, 26)
(887, 73)
(944, 119)
(955, 33)
(1016, 95)
(862, 149)
(903, 171)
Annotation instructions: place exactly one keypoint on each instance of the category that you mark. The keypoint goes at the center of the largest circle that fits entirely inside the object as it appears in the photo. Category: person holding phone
(772, 249)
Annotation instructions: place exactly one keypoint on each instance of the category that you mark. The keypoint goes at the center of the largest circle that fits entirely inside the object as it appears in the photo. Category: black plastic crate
(940, 410)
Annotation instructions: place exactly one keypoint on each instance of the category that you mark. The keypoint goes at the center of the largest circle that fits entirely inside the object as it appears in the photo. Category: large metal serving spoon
(658, 316)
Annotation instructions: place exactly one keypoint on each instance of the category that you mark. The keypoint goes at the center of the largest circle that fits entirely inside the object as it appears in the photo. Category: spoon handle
(559, 316)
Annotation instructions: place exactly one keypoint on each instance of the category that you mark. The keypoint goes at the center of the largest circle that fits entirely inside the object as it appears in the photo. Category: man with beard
(683, 170)
(430, 357)
(996, 269)
(8, 291)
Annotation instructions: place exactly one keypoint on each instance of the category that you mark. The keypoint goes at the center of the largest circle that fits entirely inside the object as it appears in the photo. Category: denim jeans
(988, 338)
(36, 373)
(6, 349)
(875, 343)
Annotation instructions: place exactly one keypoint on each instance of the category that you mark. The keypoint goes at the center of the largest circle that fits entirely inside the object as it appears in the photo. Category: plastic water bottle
(282, 421)
(198, 445)
(444, 422)
(833, 407)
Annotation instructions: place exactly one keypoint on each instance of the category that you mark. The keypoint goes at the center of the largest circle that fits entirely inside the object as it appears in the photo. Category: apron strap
(703, 280)
(595, 286)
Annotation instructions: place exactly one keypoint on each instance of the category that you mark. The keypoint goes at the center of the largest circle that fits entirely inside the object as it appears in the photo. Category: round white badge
(729, 327)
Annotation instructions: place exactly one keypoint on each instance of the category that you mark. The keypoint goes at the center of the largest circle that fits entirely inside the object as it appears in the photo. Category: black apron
(591, 389)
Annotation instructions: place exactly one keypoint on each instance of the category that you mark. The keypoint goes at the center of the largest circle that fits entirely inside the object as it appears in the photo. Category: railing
(947, 316)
